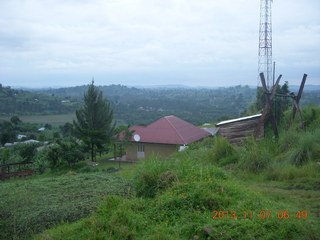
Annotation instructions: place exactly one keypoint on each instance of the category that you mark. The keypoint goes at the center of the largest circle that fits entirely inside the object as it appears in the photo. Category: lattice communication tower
(265, 41)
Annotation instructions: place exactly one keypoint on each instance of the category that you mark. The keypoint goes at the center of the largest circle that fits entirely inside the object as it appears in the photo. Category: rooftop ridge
(175, 130)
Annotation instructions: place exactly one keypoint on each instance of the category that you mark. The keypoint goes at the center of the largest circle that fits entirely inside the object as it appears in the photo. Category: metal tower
(265, 41)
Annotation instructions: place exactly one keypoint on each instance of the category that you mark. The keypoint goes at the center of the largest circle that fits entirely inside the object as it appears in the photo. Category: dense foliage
(20, 102)
(143, 106)
(94, 124)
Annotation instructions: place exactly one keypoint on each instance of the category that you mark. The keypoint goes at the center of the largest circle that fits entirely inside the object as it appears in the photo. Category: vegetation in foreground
(32, 205)
(176, 197)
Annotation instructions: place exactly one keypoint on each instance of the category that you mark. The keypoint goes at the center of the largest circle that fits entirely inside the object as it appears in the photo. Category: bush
(41, 163)
(307, 149)
(311, 118)
(223, 153)
(27, 151)
(4, 155)
(147, 180)
(289, 140)
(253, 156)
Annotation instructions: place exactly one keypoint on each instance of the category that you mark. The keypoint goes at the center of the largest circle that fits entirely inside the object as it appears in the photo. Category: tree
(71, 152)
(15, 120)
(67, 129)
(123, 135)
(7, 132)
(94, 124)
(279, 104)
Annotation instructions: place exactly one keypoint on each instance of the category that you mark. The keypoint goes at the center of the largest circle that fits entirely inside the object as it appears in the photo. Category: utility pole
(265, 41)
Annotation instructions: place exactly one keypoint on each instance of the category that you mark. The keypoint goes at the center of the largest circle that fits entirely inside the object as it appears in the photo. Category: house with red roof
(163, 137)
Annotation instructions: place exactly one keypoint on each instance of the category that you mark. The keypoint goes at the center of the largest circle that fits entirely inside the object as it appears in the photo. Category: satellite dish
(136, 137)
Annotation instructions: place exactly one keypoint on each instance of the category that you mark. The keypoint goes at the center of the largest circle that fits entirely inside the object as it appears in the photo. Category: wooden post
(114, 152)
(297, 100)
(273, 120)
(299, 112)
(266, 108)
(120, 156)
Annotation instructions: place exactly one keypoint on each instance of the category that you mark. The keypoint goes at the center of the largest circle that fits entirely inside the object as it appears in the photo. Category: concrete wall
(162, 150)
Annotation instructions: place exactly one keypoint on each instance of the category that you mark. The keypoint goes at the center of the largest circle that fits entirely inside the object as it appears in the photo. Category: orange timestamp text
(263, 214)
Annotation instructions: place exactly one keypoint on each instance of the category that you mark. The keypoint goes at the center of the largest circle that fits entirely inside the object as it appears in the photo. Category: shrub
(26, 151)
(289, 140)
(307, 149)
(4, 155)
(41, 163)
(254, 157)
(147, 179)
(223, 152)
(311, 118)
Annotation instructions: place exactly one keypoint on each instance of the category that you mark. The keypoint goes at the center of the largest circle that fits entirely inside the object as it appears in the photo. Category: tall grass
(183, 208)
(307, 149)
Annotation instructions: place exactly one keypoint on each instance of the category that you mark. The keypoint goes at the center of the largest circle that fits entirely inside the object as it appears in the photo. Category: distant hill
(307, 88)
(134, 105)
(20, 102)
(143, 105)
(197, 105)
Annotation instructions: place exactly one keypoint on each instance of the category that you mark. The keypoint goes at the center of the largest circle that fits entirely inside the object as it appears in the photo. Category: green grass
(176, 198)
(56, 119)
(35, 204)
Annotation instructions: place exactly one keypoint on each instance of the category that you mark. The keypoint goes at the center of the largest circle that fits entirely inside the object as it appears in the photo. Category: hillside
(20, 102)
(266, 189)
(143, 106)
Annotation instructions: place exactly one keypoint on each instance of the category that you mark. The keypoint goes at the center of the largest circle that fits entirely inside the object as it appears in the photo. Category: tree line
(20, 102)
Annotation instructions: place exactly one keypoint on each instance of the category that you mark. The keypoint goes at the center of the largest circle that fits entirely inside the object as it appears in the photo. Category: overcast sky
(153, 42)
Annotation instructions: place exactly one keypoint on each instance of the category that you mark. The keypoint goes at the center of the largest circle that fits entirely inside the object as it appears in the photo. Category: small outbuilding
(163, 137)
(237, 130)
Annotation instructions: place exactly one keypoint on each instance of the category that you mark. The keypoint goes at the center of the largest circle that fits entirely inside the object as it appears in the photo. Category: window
(140, 147)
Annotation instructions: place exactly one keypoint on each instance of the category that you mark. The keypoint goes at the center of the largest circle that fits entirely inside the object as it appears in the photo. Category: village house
(162, 138)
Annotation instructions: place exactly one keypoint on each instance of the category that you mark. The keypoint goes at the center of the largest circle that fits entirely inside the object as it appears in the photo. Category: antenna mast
(265, 41)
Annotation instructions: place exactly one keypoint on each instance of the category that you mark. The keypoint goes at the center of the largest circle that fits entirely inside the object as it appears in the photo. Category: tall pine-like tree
(94, 124)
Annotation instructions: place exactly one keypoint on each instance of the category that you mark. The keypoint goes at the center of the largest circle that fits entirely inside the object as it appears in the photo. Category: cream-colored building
(163, 137)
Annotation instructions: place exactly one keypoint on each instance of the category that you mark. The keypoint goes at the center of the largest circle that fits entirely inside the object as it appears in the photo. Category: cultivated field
(58, 119)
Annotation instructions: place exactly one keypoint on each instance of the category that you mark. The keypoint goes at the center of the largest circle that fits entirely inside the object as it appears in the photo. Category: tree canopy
(94, 124)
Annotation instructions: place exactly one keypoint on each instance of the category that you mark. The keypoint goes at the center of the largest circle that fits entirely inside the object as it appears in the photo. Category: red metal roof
(169, 130)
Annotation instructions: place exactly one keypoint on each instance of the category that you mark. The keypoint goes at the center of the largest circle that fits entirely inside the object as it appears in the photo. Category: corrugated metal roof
(213, 130)
(169, 130)
(238, 119)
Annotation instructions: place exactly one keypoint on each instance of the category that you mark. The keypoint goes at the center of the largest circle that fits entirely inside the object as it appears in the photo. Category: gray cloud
(207, 42)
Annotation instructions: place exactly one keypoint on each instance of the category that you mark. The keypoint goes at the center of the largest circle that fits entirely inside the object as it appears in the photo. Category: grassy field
(33, 204)
(177, 198)
(159, 199)
(58, 119)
